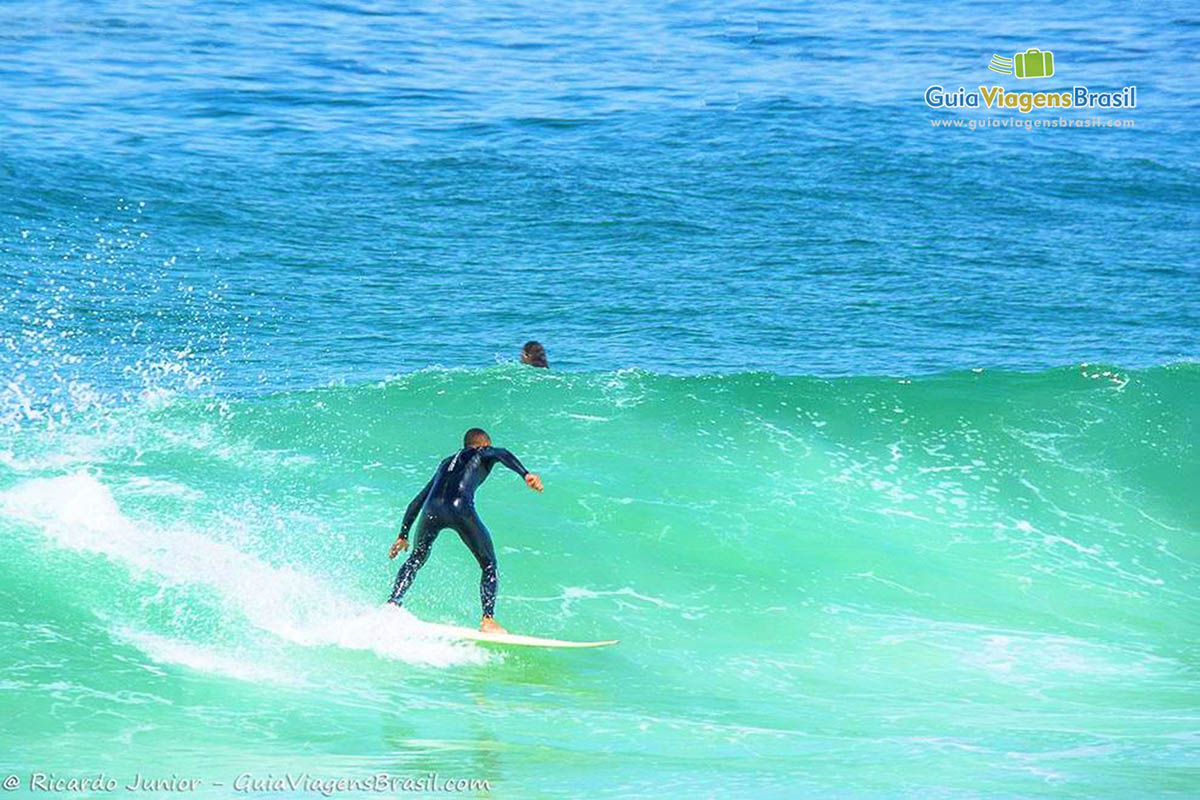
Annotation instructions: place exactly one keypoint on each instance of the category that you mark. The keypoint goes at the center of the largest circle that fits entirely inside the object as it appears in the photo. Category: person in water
(448, 501)
(534, 355)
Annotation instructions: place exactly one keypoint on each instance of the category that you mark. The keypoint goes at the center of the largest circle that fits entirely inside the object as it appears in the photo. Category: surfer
(534, 355)
(448, 501)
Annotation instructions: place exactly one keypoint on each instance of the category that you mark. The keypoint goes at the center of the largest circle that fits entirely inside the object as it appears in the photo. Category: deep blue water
(277, 194)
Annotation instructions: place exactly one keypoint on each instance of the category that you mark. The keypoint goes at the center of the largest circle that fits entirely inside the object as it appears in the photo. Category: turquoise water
(965, 585)
(875, 444)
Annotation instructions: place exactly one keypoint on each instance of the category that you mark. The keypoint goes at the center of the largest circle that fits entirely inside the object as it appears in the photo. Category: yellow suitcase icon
(1033, 63)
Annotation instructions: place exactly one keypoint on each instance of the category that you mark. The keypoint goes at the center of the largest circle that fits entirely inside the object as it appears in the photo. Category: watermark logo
(1033, 63)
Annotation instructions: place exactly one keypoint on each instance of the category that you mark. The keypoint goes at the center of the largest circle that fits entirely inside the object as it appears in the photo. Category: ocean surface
(875, 443)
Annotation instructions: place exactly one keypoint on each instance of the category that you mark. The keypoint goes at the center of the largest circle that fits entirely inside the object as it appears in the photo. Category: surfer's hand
(533, 482)
(397, 546)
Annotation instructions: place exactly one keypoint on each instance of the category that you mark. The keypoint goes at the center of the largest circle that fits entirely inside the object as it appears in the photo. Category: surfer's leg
(476, 537)
(426, 533)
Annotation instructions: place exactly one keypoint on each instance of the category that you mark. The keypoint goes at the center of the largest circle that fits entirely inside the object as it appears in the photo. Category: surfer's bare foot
(489, 625)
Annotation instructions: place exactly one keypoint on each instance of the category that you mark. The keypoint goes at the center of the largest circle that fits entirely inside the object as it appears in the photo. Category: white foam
(151, 486)
(395, 633)
(205, 658)
(79, 513)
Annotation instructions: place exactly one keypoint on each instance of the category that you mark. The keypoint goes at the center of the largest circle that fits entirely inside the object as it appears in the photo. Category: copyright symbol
(11, 783)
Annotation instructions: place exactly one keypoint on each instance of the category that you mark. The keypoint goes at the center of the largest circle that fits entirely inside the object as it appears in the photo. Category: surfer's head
(476, 437)
(534, 355)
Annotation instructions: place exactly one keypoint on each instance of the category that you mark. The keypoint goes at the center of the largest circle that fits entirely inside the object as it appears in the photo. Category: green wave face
(972, 583)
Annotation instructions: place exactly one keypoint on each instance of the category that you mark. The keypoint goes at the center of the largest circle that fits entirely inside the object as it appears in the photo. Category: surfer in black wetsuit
(448, 501)
(534, 355)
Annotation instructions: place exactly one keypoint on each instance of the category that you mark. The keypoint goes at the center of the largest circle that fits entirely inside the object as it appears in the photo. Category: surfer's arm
(506, 458)
(410, 515)
(414, 508)
(512, 462)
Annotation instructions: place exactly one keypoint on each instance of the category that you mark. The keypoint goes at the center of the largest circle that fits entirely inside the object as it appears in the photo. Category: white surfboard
(474, 635)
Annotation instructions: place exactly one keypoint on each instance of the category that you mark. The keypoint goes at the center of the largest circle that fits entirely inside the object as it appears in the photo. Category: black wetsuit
(448, 501)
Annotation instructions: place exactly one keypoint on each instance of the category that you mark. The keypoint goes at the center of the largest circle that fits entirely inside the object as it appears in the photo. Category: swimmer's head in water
(534, 355)
(476, 437)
